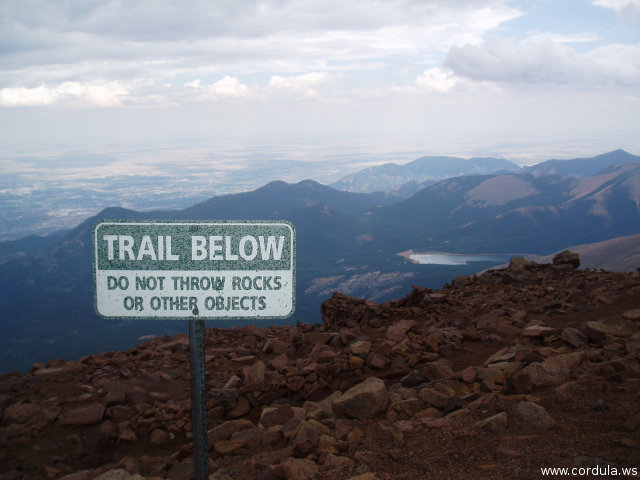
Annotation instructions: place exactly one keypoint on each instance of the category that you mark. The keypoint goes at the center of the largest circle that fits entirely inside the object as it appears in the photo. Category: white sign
(194, 269)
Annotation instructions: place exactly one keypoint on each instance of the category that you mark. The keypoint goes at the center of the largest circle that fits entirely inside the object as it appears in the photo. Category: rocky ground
(495, 376)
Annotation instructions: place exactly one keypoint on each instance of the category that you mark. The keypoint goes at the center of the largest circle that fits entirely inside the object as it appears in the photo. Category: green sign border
(190, 224)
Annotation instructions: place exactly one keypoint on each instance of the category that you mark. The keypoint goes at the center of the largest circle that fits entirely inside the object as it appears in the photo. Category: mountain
(401, 181)
(391, 175)
(516, 213)
(346, 241)
(11, 249)
(46, 297)
(583, 167)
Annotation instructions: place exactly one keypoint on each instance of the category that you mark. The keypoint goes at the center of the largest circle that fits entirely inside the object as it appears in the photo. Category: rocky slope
(495, 376)
(621, 254)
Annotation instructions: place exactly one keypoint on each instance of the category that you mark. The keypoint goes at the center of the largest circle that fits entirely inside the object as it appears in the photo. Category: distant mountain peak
(391, 176)
(583, 167)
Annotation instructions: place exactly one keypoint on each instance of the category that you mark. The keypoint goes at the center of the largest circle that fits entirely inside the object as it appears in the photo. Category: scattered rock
(297, 469)
(506, 454)
(436, 371)
(21, 412)
(226, 429)
(365, 476)
(279, 415)
(617, 329)
(119, 474)
(535, 415)
(632, 314)
(628, 442)
(434, 398)
(574, 337)
(495, 423)
(360, 347)
(228, 447)
(82, 415)
(181, 471)
(306, 441)
(159, 437)
(521, 349)
(365, 400)
(567, 258)
(398, 330)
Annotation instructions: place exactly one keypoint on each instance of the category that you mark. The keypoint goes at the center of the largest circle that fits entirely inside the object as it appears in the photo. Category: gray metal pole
(198, 400)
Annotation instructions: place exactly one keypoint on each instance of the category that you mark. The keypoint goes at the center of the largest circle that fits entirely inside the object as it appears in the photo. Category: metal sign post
(198, 400)
(195, 270)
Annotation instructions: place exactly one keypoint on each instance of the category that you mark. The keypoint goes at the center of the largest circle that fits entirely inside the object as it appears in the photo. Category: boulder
(574, 337)
(360, 347)
(376, 361)
(21, 412)
(495, 423)
(436, 371)
(226, 429)
(254, 375)
(434, 398)
(228, 447)
(398, 330)
(521, 263)
(306, 441)
(297, 469)
(119, 474)
(82, 415)
(159, 437)
(535, 414)
(276, 416)
(138, 396)
(618, 329)
(364, 400)
(632, 314)
(566, 257)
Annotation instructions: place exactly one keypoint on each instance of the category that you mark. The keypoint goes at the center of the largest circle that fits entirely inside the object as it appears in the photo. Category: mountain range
(405, 179)
(424, 171)
(345, 240)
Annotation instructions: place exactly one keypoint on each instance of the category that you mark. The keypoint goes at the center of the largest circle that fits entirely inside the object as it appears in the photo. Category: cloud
(543, 61)
(296, 86)
(225, 87)
(67, 93)
(156, 42)
(627, 10)
(437, 80)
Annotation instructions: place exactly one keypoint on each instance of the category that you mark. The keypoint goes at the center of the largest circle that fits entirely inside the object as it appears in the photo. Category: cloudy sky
(446, 76)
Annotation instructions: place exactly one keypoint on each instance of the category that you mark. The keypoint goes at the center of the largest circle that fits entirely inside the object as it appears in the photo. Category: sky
(520, 79)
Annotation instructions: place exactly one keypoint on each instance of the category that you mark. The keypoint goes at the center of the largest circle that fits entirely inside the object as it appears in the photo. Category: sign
(194, 269)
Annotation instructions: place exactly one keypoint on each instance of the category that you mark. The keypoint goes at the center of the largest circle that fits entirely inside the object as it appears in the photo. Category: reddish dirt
(595, 405)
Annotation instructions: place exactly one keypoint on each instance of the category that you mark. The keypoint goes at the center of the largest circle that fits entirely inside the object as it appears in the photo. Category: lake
(440, 258)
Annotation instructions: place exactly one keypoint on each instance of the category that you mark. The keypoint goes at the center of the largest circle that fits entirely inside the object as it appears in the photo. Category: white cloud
(296, 86)
(565, 38)
(546, 62)
(615, 4)
(627, 10)
(229, 68)
(437, 80)
(68, 93)
(45, 42)
(225, 87)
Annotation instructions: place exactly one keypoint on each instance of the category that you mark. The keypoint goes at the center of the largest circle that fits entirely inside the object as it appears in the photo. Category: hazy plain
(45, 191)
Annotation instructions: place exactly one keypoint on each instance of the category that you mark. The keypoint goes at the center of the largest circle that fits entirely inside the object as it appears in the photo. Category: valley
(346, 241)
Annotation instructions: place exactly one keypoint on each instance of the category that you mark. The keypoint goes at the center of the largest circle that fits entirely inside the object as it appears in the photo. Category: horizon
(150, 186)
(224, 99)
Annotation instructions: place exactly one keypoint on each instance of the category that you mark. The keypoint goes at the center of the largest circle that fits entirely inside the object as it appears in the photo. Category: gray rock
(365, 400)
